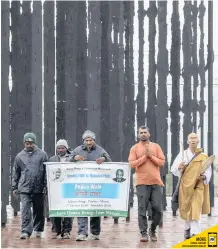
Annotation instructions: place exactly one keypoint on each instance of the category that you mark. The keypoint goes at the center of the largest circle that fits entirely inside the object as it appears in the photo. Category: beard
(88, 147)
(29, 149)
(144, 139)
(61, 153)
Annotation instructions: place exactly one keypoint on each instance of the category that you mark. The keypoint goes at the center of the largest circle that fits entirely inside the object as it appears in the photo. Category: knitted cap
(62, 142)
(29, 137)
(88, 134)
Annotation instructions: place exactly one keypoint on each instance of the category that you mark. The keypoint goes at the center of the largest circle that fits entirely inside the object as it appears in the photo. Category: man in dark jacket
(29, 180)
(61, 227)
(89, 151)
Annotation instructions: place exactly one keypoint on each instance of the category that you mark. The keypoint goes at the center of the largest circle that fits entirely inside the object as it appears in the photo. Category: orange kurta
(193, 202)
(147, 168)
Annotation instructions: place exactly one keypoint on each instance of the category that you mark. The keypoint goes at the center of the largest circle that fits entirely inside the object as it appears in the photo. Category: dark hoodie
(29, 172)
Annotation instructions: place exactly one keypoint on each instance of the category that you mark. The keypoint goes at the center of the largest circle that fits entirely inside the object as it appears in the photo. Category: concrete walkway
(122, 235)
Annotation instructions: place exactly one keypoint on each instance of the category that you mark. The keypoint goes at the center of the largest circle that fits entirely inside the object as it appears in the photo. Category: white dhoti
(194, 226)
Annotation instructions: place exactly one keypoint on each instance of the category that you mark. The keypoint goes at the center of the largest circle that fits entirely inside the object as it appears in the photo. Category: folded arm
(159, 160)
(134, 161)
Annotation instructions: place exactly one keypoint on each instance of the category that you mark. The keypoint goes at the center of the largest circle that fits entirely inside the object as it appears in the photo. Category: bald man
(192, 202)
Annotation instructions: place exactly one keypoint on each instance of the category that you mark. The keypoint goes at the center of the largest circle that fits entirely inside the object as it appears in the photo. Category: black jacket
(29, 171)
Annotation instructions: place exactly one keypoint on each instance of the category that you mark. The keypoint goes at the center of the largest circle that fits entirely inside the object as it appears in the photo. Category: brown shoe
(187, 234)
(144, 238)
(152, 235)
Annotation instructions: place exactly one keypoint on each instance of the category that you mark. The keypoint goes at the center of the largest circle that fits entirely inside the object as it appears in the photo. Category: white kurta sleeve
(175, 167)
(208, 174)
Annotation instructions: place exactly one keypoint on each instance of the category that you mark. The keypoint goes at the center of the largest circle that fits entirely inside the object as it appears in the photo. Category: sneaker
(93, 237)
(38, 234)
(24, 236)
(66, 236)
(152, 235)
(59, 236)
(144, 238)
(81, 237)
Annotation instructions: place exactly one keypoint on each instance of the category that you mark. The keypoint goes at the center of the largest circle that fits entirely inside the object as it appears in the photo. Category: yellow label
(206, 239)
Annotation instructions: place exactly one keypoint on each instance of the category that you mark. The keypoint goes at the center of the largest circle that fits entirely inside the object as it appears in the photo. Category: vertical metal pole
(210, 94)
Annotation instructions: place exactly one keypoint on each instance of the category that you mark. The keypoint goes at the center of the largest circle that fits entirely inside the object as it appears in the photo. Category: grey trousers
(146, 193)
(32, 221)
(149, 209)
(95, 225)
(61, 225)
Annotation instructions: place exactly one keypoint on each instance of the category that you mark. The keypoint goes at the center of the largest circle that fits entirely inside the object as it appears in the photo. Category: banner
(84, 189)
(206, 239)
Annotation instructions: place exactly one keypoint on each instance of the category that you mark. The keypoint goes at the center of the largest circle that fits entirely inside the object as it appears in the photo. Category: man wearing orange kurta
(147, 158)
(192, 202)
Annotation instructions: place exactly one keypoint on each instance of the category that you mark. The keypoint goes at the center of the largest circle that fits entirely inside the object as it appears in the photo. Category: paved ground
(123, 235)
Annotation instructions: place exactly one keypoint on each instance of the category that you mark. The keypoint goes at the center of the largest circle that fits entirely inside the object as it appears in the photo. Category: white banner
(85, 189)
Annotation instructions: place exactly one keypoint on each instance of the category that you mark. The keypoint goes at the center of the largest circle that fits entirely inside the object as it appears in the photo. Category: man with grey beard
(89, 151)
